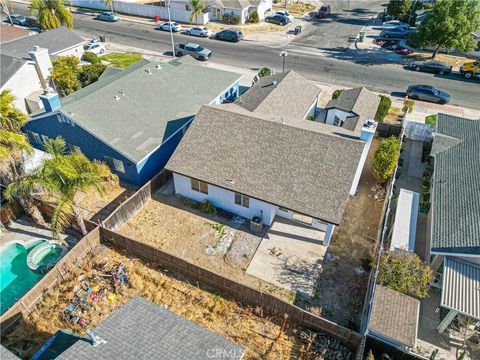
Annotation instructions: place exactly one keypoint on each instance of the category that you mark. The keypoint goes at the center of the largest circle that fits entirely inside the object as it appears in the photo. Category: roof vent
(148, 71)
(116, 97)
(159, 67)
(274, 82)
(122, 92)
(95, 340)
(230, 181)
(36, 48)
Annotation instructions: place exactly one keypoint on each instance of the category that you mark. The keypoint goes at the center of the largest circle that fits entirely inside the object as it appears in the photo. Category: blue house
(133, 119)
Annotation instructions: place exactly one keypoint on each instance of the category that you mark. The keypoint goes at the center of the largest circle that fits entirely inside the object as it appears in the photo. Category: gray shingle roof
(395, 316)
(282, 95)
(154, 106)
(54, 40)
(9, 66)
(142, 330)
(5, 354)
(456, 186)
(289, 166)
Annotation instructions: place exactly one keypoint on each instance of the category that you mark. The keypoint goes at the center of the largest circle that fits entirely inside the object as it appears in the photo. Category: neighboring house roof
(461, 287)
(394, 316)
(456, 186)
(134, 111)
(55, 40)
(9, 32)
(284, 95)
(5, 354)
(360, 101)
(10, 66)
(140, 329)
(289, 166)
(232, 4)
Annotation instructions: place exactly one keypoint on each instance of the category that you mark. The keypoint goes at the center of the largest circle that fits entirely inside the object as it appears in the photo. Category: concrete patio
(290, 256)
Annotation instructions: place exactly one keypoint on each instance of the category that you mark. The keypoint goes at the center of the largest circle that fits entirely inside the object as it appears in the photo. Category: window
(115, 164)
(302, 218)
(242, 200)
(74, 148)
(199, 186)
(34, 137)
(337, 121)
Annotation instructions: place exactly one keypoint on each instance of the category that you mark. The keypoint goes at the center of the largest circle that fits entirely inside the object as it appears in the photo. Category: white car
(96, 48)
(198, 31)
(395, 24)
(166, 26)
(286, 15)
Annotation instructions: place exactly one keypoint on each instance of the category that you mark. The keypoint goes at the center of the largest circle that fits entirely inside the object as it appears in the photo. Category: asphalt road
(338, 67)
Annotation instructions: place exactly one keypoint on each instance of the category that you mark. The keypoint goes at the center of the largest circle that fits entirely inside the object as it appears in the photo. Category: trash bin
(361, 36)
(298, 29)
(156, 18)
(102, 38)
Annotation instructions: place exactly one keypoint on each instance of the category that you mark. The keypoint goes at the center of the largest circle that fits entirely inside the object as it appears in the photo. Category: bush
(265, 71)
(231, 19)
(383, 107)
(90, 73)
(253, 18)
(408, 105)
(367, 263)
(208, 208)
(385, 159)
(336, 94)
(431, 120)
(406, 273)
(90, 57)
(310, 117)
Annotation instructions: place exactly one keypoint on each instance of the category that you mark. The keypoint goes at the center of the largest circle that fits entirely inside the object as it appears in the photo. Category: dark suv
(276, 19)
(233, 35)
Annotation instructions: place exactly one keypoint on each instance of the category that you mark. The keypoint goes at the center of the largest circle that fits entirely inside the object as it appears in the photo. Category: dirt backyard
(342, 283)
(263, 337)
(220, 244)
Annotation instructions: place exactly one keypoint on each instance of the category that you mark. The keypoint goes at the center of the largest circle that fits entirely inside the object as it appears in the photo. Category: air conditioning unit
(256, 224)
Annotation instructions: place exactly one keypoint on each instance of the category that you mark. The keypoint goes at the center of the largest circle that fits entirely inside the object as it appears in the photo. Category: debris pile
(321, 346)
(379, 192)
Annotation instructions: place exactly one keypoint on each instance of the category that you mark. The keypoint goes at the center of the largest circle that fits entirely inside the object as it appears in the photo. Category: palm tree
(109, 3)
(197, 9)
(51, 14)
(62, 177)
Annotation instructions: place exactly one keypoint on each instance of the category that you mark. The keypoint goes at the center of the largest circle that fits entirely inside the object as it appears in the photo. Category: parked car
(94, 47)
(395, 24)
(277, 19)
(427, 93)
(195, 50)
(233, 35)
(436, 67)
(107, 16)
(285, 14)
(395, 33)
(18, 19)
(198, 31)
(323, 12)
(166, 26)
(32, 22)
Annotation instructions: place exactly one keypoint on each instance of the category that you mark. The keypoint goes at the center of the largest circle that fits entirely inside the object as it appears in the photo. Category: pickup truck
(471, 69)
(195, 50)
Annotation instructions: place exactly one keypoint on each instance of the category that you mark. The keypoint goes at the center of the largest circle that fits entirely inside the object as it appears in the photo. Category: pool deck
(22, 231)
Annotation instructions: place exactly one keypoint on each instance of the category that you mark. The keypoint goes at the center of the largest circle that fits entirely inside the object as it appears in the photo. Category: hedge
(383, 108)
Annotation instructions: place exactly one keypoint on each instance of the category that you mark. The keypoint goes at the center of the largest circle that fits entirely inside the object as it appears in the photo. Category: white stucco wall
(75, 50)
(366, 136)
(263, 7)
(312, 108)
(335, 112)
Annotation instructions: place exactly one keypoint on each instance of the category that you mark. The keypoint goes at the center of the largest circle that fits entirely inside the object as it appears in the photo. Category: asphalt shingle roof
(8, 67)
(303, 170)
(54, 40)
(135, 110)
(282, 95)
(9, 32)
(142, 330)
(395, 315)
(5, 354)
(456, 186)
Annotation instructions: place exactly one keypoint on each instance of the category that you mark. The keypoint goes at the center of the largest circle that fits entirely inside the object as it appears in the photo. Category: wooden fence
(28, 301)
(387, 130)
(239, 292)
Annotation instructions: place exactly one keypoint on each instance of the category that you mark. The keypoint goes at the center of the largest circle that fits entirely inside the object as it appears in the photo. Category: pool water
(16, 278)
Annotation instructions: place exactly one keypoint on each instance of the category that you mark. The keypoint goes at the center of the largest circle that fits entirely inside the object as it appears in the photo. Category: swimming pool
(16, 278)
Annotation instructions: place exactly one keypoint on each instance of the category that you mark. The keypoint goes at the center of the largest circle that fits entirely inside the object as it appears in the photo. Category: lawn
(122, 60)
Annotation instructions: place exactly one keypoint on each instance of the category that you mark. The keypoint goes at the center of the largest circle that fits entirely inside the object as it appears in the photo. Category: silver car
(195, 50)
(198, 31)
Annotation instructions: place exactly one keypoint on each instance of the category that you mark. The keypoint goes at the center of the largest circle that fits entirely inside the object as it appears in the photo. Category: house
(261, 167)
(140, 329)
(11, 32)
(26, 64)
(455, 215)
(281, 95)
(350, 109)
(133, 118)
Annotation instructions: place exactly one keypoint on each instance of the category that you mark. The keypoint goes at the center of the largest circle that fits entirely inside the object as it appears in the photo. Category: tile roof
(9, 32)
(135, 110)
(10, 65)
(54, 40)
(395, 316)
(142, 330)
(293, 167)
(456, 186)
(282, 95)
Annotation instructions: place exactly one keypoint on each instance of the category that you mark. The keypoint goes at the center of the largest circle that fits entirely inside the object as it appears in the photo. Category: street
(337, 66)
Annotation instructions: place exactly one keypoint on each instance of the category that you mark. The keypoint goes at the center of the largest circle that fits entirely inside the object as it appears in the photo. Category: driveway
(345, 21)
(290, 256)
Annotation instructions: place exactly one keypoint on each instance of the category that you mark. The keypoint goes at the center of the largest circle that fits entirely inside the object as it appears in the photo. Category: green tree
(383, 107)
(63, 177)
(109, 3)
(253, 18)
(385, 159)
(51, 14)
(65, 74)
(197, 9)
(399, 9)
(449, 26)
(90, 73)
(405, 273)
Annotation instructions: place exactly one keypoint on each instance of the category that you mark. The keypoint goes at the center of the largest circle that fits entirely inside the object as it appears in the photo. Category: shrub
(383, 107)
(385, 158)
(431, 120)
(336, 93)
(90, 57)
(408, 105)
(265, 71)
(367, 263)
(406, 273)
(253, 18)
(370, 356)
(231, 19)
(310, 117)
(90, 73)
(208, 208)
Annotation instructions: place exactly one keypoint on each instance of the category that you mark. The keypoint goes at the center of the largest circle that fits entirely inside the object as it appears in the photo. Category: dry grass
(455, 61)
(247, 28)
(394, 116)
(298, 9)
(263, 337)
